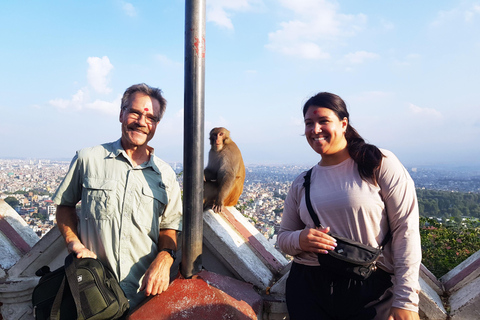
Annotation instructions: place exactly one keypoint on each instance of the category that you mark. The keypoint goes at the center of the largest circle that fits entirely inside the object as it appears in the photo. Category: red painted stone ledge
(198, 298)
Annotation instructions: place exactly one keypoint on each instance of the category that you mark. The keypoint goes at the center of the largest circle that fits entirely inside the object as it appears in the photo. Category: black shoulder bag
(350, 258)
(83, 289)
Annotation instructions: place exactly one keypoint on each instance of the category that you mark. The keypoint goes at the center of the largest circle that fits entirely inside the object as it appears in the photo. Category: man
(130, 201)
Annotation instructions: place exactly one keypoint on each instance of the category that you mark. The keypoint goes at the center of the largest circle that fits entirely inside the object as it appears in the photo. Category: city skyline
(408, 71)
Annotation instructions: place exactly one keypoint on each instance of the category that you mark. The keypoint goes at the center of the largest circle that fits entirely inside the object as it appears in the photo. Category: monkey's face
(139, 122)
(218, 137)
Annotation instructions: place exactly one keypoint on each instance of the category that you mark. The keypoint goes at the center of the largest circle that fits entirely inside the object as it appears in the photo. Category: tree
(12, 201)
(446, 246)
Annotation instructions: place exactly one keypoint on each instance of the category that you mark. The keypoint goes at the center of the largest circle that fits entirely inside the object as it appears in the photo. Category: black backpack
(83, 289)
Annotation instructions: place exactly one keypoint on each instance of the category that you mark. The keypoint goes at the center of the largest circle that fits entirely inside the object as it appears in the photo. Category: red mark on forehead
(146, 109)
(315, 112)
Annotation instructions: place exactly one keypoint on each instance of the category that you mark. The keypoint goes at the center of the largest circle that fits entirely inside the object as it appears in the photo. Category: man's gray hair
(154, 93)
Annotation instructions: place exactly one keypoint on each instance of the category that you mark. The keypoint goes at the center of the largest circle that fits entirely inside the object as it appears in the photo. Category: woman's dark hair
(367, 156)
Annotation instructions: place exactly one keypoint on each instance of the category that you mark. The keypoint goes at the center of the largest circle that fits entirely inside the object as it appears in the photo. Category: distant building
(51, 211)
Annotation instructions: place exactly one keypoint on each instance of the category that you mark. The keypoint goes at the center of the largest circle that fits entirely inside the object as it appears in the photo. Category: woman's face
(324, 131)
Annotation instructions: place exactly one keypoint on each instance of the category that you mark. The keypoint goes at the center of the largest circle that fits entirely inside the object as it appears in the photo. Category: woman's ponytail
(367, 156)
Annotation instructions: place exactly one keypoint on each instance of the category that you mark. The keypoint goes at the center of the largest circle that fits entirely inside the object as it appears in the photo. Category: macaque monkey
(225, 172)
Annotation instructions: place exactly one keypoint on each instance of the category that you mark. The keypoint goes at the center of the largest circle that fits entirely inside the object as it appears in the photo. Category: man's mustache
(136, 127)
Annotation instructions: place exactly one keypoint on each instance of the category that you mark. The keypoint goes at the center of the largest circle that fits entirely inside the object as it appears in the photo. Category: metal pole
(193, 154)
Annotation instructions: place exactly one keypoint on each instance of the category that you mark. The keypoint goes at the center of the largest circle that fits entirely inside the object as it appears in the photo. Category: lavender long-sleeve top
(357, 209)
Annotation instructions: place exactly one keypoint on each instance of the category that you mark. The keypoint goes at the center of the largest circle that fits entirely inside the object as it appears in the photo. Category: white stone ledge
(226, 243)
(431, 305)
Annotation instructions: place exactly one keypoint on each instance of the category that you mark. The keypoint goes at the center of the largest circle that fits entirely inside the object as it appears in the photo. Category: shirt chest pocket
(98, 200)
(153, 201)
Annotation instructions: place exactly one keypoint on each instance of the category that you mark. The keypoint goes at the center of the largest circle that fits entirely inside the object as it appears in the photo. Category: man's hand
(316, 240)
(67, 224)
(402, 314)
(80, 251)
(157, 276)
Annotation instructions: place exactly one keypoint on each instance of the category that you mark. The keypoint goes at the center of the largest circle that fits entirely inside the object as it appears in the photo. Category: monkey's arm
(225, 182)
(209, 175)
(210, 172)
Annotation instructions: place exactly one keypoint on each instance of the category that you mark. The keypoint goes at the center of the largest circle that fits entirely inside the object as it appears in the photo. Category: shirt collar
(117, 150)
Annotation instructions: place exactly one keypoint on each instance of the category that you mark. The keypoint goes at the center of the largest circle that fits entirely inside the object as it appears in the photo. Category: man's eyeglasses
(135, 115)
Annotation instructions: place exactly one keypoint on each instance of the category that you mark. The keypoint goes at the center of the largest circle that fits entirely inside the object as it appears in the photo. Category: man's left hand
(157, 276)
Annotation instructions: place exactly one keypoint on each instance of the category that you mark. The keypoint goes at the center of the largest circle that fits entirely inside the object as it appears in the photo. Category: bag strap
(71, 266)
(306, 185)
(314, 216)
(70, 277)
(55, 311)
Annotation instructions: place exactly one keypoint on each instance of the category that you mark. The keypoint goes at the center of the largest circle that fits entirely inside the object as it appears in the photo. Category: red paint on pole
(199, 47)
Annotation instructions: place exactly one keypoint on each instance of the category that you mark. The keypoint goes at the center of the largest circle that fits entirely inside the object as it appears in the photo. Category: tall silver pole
(193, 154)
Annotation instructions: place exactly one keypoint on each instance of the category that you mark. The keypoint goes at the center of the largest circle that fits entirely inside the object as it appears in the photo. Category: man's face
(140, 121)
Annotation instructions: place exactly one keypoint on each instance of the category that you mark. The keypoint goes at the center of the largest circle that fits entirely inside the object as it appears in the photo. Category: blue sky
(408, 70)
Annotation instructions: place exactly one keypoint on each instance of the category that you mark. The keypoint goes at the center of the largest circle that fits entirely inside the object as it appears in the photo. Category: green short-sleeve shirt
(123, 209)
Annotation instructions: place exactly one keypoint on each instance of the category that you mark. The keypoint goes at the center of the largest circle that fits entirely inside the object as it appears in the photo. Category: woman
(360, 192)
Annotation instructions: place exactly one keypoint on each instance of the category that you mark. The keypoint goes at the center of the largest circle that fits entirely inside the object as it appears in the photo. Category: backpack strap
(55, 311)
(71, 279)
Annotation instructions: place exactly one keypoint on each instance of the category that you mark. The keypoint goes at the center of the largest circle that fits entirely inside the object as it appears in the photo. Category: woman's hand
(402, 314)
(317, 240)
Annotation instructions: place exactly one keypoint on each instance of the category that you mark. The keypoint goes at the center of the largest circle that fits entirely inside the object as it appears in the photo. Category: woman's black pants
(314, 293)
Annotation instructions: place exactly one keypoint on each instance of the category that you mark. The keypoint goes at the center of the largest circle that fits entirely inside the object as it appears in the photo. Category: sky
(409, 72)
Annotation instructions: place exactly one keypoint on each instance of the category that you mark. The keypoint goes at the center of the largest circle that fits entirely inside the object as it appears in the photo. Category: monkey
(225, 172)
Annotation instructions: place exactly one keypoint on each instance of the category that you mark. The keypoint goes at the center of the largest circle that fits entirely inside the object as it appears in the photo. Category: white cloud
(180, 113)
(296, 122)
(105, 106)
(75, 103)
(461, 13)
(429, 112)
(307, 50)
(97, 73)
(220, 11)
(316, 23)
(129, 9)
(443, 17)
(373, 96)
(219, 121)
(408, 60)
(97, 76)
(166, 61)
(360, 57)
(471, 13)
(387, 25)
(59, 103)
(219, 17)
